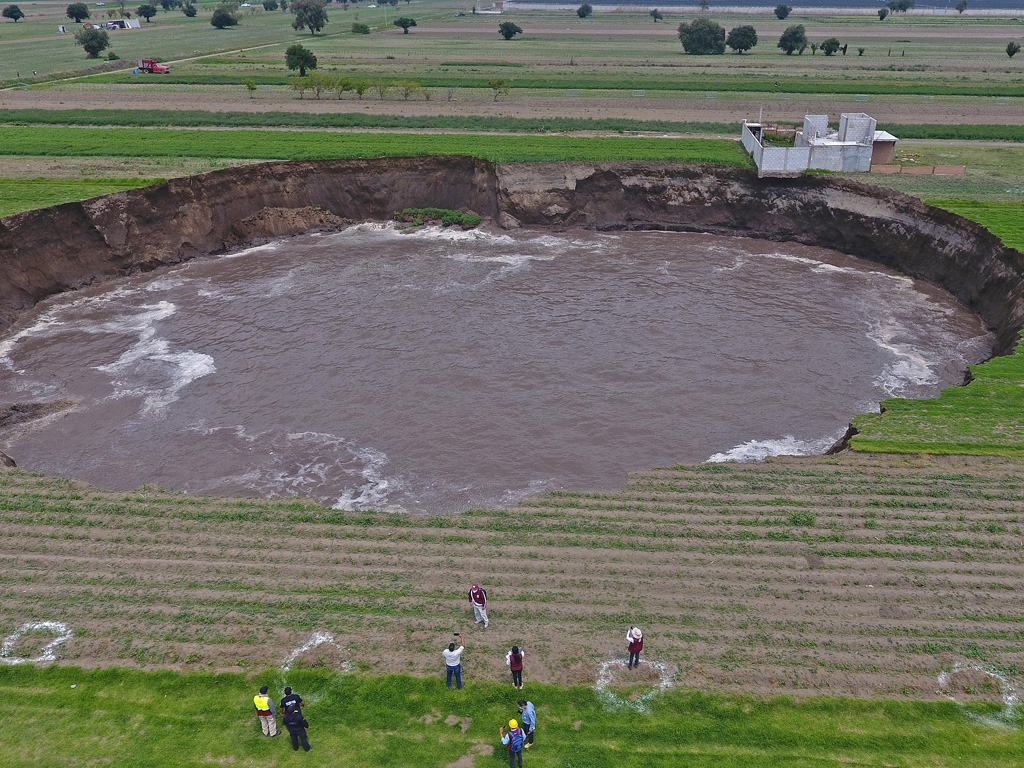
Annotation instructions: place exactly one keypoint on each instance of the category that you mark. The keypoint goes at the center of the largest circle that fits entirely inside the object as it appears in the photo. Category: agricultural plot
(853, 575)
(18, 195)
(311, 145)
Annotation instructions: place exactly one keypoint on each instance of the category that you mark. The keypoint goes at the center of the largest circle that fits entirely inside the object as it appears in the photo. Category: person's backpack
(516, 737)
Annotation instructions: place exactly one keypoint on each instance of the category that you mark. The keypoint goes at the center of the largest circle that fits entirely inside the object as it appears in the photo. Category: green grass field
(156, 719)
(18, 195)
(984, 417)
(315, 145)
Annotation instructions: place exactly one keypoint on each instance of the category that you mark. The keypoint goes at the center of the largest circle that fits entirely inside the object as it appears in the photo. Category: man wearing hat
(635, 638)
(478, 599)
(291, 698)
(514, 739)
(264, 706)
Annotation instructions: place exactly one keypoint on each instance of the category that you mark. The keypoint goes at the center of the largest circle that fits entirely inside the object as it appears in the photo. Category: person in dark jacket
(296, 725)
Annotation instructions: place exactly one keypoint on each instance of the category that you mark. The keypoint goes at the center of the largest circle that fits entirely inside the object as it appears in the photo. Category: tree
(508, 30)
(269, 5)
(360, 29)
(882, 13)
(584, 10)
(657, 15)
(78, 12)
(223, 18)
(961, 6)
(704, 5)
(319, 82)
(309, 14)
(793, 38)
(382, 87)
(1012, 49)
(702, 37)
(251, 87)
(404, 22)
(830, 46)
(408, 88)
(13, 12)
(297, 57)
(147, 12)
(95, 41)
(742, 39)
(782, 11)
(500, 88)
(900, 6)
(298, 83)
(189, 9)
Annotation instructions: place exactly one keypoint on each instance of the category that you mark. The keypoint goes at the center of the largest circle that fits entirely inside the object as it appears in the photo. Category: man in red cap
(478, 599)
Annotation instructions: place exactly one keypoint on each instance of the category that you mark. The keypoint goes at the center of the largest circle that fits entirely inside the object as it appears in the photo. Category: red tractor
(151, 66)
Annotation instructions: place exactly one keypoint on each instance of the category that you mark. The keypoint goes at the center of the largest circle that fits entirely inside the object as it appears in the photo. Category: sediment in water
(71, 245)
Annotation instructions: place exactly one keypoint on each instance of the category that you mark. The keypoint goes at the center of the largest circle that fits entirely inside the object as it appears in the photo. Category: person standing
(296, 725)
(635, 638)
(514, 661)
(291, 698)
(514, 739)
(478, 599)
(453, 661)
(529, 717)
(264, 706)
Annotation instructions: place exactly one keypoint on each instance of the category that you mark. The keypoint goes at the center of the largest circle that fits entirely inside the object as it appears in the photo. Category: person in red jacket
(514, 659)
(635, 638)
(478, 599)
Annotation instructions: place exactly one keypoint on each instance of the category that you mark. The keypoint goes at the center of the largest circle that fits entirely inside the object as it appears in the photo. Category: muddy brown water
(438, 370)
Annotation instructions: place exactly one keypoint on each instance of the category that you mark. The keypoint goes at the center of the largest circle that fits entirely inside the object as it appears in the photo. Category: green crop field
(18, 195)
(158, 719)
(312, 145)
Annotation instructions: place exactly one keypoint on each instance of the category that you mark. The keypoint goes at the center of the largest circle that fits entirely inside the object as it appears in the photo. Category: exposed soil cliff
(71, 245)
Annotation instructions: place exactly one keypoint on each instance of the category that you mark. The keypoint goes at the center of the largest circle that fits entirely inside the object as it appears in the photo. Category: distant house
(852, 149)
(114, 24)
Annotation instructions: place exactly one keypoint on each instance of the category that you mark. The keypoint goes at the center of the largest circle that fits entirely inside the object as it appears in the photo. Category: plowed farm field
(853, 575)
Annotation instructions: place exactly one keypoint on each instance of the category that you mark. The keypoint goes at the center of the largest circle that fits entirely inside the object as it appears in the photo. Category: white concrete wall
(856, 126)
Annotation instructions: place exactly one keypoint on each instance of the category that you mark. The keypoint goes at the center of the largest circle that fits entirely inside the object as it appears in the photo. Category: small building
(113, 25)
(851, 149)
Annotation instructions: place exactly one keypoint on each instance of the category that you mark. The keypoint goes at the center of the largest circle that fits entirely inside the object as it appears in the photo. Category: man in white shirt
(453, 661)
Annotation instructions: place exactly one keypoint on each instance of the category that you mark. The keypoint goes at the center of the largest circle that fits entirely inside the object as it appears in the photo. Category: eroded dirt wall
(71, 245)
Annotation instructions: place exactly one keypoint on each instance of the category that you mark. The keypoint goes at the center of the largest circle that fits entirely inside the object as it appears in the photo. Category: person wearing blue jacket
(528, 715)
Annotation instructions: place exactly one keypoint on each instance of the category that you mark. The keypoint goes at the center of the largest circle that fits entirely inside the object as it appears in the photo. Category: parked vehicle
(152, 67)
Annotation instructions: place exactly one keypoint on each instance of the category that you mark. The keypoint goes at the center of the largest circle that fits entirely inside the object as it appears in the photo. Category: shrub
(223, 17)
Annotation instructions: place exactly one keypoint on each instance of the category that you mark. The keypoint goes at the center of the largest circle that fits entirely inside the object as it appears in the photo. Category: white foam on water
(265, 248)
(1005, 718)
(759, 450)
(373, 493)
(823, 267)
(641, 703)
(49, 651)
(458, 235)
(910, 368)
(315, 465)
(149, 369)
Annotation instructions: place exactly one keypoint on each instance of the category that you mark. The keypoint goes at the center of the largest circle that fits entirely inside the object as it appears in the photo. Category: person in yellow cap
(264, 706)
(514, 740)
